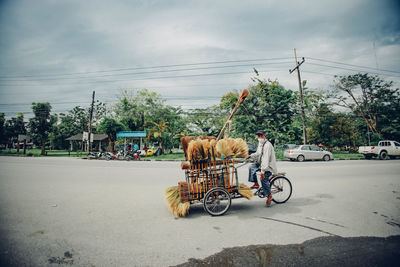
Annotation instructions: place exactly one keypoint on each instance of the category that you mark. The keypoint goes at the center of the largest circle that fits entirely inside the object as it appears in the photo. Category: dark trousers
(265, 183)
(253, 169)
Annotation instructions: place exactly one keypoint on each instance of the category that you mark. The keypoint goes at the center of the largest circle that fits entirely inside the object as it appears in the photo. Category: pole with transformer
(303, 117)
(90, 122)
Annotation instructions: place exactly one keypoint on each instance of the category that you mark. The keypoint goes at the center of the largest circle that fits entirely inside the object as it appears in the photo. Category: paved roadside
(72, 212)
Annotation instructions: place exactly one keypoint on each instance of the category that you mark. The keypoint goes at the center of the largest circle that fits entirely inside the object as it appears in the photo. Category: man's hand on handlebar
(262, 176)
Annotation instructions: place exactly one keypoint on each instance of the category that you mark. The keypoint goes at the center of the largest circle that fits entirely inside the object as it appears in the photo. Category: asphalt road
(107, 213)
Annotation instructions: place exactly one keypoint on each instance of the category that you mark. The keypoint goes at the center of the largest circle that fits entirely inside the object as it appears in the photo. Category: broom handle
(227, 121)
(242, 97)
(233, 164)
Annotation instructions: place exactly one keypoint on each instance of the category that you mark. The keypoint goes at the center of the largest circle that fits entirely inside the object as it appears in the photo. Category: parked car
(307, 152)
(286, 146)
(384, 150)
(143, 153)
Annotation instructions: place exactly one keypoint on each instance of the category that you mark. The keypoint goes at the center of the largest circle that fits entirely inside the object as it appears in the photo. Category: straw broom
(213, 154)
(194, 150)
(245, 191)
(205, 137)
(223, 148)
(200, 147)
(207, 149)
(185, 140)
(175, 205)
(240, 150)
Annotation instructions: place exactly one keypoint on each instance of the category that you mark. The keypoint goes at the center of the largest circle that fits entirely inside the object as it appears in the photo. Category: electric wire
(352, 65)
(151, 67)
(192, 75)
(343, 68)
(153, 78)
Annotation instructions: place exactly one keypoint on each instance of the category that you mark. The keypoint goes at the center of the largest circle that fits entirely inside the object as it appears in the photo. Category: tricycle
(216, 183)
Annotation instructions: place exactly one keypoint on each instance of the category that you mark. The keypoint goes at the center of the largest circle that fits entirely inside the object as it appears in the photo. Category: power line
(82, 102)
(342, 68)
(352, 65)
(150, 67)
(151, 72)
(154, 78)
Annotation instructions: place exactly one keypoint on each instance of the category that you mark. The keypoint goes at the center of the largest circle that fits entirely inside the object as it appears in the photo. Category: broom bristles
(223, 148)
(241, 148)
(232, 147)
(200, 148)
(194, 153)
(214, 153)
(209, 138)
(185, 140)
(206, 148)
(245, 191)
(175, 205)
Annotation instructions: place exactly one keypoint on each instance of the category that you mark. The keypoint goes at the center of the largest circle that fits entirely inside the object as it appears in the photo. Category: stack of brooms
(201, 154)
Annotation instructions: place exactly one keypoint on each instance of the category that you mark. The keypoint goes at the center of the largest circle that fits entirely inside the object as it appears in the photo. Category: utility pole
(303, 117)
(90, 122)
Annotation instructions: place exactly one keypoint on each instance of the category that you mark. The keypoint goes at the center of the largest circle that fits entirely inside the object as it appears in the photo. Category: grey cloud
(53, 37)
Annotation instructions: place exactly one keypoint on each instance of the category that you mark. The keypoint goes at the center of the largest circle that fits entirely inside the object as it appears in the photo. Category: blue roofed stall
(132, 134)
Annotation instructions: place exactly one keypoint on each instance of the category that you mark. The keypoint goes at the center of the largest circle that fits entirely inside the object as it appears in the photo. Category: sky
(190, 52)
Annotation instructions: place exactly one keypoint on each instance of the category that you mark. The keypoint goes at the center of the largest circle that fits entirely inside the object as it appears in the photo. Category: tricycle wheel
(281, 189)
(217, 201)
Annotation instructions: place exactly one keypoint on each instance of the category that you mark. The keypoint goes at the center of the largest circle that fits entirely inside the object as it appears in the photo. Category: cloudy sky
(190, 52)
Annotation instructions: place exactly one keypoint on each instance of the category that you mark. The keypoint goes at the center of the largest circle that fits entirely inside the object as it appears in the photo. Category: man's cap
(260, 132)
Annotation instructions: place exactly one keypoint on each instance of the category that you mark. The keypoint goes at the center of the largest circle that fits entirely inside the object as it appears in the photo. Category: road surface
(111, 213)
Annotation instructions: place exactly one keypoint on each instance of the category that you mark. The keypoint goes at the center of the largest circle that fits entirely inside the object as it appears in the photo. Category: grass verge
(37, 153)
(176, 155)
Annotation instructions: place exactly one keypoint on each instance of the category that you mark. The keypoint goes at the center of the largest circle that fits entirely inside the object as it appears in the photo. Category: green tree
(159, 131)
(75, 121)
(110, 127)
(172, 115)
(206, 121)
(41, 125)
(333, 128)
(13, 127)
(138, 107)
(135, 107)
(372, 98)
(344, 131)
(269, 106)
(3, 137)
(320, 128)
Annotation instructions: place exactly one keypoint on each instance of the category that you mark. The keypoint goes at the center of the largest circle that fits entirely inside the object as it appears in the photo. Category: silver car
(307, 152)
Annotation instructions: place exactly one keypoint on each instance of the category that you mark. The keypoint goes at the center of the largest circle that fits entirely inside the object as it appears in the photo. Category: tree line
(359, 109)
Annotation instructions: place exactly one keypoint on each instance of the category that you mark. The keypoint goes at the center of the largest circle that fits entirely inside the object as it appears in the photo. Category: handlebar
(245, 162)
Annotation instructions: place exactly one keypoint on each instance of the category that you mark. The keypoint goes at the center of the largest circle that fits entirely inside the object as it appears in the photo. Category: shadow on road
(322, 251)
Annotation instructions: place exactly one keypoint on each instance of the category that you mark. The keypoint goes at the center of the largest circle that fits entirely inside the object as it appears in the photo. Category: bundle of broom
(236, 148)
(232, 147)
(174, 201)
(198, 150)
(185, 141)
